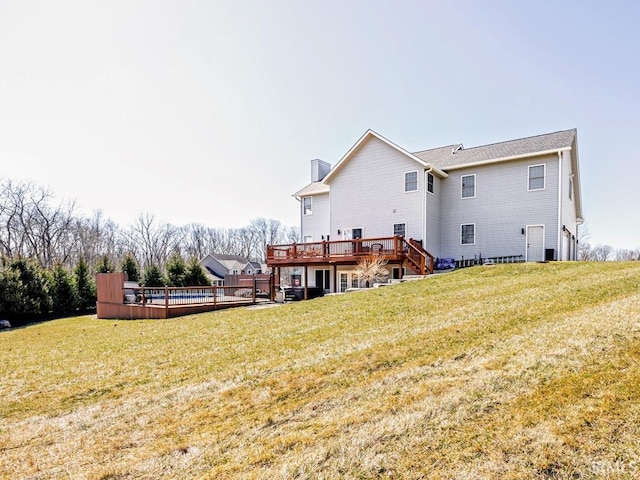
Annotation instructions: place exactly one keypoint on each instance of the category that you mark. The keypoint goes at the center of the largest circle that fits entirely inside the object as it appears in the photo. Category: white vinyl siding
(317, 225)
(537, 177)
(468, 234)
(468, 183)
(369, 193)
(501, 210)
(411, 181)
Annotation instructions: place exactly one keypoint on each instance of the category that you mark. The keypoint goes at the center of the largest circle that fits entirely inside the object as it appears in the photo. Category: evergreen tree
(12, 294)
(105, 265)
(195, 275)
(176, 269)
(130, 266)
(85, 286)
(62, 290)
(153, 277)
(36, 298)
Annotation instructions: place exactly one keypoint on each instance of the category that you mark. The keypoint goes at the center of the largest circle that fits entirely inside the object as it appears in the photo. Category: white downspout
(424, 207)
(559, 205)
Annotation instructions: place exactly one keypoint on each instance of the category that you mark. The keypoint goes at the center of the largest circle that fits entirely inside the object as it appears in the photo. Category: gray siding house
(519, 199)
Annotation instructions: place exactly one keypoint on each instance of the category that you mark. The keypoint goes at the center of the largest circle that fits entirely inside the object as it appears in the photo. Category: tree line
(48, 252)
(602, 252)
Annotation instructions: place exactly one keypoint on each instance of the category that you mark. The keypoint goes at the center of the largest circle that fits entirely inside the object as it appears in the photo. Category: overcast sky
(210, 111)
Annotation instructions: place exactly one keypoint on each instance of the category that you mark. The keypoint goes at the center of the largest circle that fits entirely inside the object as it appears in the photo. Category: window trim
(304, 239)
(475, 184)
(405, 228)
(430, 183)
(304, 210)
(544, 177)
(405, 182)
(462, 237)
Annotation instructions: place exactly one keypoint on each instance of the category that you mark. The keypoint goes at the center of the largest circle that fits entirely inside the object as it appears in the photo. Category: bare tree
(585, 251)
(625, 255)
(371, 269)
(266, 232)
(602, 253)
(31, 227)
(99, 236)
(152, 242)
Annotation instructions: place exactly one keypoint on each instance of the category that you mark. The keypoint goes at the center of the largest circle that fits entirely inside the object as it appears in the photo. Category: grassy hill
(509, 371)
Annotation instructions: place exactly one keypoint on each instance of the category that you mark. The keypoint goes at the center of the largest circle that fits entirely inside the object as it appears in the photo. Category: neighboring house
(517, 200)
(218, 266)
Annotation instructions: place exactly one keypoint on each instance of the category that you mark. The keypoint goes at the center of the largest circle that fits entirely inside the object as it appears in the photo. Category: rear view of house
(518, 200)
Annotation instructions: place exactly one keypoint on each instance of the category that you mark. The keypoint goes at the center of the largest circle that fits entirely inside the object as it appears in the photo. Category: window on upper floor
(411, 181)
(536, 176)
(307, 239)
(307, 204)
(429, 182)
(468, 186)
(468, 234)
(570, 188)
(400, 229)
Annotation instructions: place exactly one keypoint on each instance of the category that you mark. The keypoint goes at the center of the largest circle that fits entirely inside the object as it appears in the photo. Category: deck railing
(337, 248)
(172, 296)
(393, 248)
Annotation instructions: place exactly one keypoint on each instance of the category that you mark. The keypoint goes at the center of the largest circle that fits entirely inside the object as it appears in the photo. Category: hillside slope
(509, 371)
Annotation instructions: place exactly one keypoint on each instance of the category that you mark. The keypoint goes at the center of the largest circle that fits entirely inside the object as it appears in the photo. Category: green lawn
(509, 371)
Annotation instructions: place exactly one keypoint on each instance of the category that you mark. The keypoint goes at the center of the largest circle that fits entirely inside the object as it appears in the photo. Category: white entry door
(535, 243)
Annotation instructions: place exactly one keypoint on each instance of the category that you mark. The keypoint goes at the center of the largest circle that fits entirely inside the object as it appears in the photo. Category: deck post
(253, 295)
(306, 280)
(335, 278)
(166, 298)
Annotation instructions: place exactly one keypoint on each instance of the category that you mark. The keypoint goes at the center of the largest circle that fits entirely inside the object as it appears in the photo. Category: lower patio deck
(118, 301)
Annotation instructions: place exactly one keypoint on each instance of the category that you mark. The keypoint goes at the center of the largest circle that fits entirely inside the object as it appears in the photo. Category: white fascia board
(506, 159)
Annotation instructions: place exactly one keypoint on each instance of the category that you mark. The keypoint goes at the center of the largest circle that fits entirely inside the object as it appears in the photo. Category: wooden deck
(396, 250)
(117, 302)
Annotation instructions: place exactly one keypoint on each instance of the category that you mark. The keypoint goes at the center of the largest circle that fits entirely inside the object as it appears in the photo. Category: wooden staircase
(418, 257)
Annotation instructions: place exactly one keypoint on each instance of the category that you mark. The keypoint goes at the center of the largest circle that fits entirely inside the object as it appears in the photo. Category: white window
(411, 181)
(468, 234)
(307, 239)
(429, 183)
(536, 177)
(307, 203)
(468, 186)
(400, 229)
(570, 188)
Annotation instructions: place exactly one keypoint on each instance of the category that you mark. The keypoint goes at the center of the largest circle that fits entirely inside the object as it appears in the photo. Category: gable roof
(365, 137)
(314, 188)
(451, 157)
(498, 152)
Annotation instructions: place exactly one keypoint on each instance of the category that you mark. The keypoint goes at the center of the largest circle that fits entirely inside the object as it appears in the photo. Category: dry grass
(505, 372)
